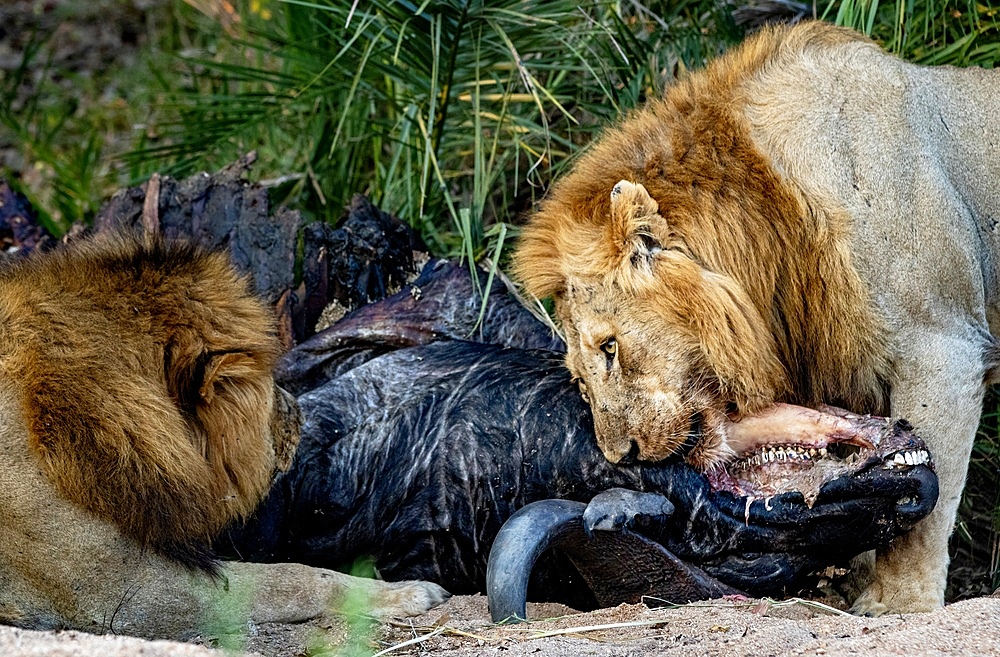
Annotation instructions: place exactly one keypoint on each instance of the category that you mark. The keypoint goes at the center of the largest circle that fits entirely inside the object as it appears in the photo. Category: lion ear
(635, 224)
(224, 367)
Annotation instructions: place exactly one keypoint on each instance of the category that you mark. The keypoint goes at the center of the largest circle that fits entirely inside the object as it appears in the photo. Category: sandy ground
(460, 627)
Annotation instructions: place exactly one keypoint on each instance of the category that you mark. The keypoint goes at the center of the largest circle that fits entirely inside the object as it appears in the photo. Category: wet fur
(799, 222)
(138, 417)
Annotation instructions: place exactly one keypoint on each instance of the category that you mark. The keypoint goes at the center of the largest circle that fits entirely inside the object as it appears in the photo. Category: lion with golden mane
(807, 221)
(138, 417)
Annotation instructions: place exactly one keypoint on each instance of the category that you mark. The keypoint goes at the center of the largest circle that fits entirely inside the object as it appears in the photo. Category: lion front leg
(291, 593)
(60, 567)
(174, 603)
(147, 596)
(940, 390)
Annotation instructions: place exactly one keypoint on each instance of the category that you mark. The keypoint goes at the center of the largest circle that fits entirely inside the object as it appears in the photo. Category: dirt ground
(461, 627)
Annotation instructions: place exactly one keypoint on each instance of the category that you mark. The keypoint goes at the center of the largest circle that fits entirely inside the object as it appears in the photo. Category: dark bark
(220, 210)
(20, 231)
(367, 256)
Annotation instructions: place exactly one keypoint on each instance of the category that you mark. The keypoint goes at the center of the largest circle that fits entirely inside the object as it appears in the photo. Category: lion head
(695, 281)
(641, 319)
(144, 370)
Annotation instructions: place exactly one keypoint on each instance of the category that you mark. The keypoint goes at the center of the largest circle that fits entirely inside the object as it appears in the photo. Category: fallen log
(20, 231)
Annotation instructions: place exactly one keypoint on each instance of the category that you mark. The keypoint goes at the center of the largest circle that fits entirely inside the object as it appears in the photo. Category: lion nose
(632, 456)
(615, 451)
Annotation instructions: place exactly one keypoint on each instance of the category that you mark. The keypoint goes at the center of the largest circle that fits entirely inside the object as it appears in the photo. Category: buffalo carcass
(424, 433)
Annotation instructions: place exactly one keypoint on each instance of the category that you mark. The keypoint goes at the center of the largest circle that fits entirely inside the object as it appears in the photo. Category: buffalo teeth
(908, 458)
(783, 454)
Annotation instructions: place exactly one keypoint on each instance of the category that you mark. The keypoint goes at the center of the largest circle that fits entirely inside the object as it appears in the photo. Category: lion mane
(739, 245)
(143, 370)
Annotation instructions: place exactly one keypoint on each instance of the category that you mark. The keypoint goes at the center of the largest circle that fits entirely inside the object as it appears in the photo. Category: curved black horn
(525, 536)
(642, 568)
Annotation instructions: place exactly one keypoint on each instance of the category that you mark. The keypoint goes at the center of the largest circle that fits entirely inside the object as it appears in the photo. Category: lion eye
(610, 347)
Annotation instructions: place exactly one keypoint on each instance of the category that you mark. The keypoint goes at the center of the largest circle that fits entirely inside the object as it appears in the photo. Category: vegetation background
(452, 114)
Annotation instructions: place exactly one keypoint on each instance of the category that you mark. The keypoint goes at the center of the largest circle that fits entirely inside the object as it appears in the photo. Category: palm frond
(452, 114)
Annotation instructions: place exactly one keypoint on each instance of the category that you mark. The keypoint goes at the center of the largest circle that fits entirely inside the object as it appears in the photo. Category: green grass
(83, 94)
(453, 115)
(956, 32)
(56, 149)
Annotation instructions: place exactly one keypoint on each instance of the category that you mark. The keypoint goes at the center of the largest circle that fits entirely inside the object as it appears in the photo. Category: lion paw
(868, 605)
(406, 598)
(879, 599)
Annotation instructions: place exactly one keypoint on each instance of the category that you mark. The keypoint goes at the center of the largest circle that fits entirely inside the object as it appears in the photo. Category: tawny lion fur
(138, 417)
(807, 220)
(144, 366)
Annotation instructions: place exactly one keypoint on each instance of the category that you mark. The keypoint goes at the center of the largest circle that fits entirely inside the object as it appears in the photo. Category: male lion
(807, 220)
(138, 416)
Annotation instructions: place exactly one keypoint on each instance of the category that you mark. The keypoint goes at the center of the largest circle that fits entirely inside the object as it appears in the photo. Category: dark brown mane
(144, 371)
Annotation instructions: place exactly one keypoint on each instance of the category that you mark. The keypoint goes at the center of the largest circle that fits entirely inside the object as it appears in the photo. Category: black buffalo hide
(417, 446)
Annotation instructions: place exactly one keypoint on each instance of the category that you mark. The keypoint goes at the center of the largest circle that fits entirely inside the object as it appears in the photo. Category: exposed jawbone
(792, 448)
